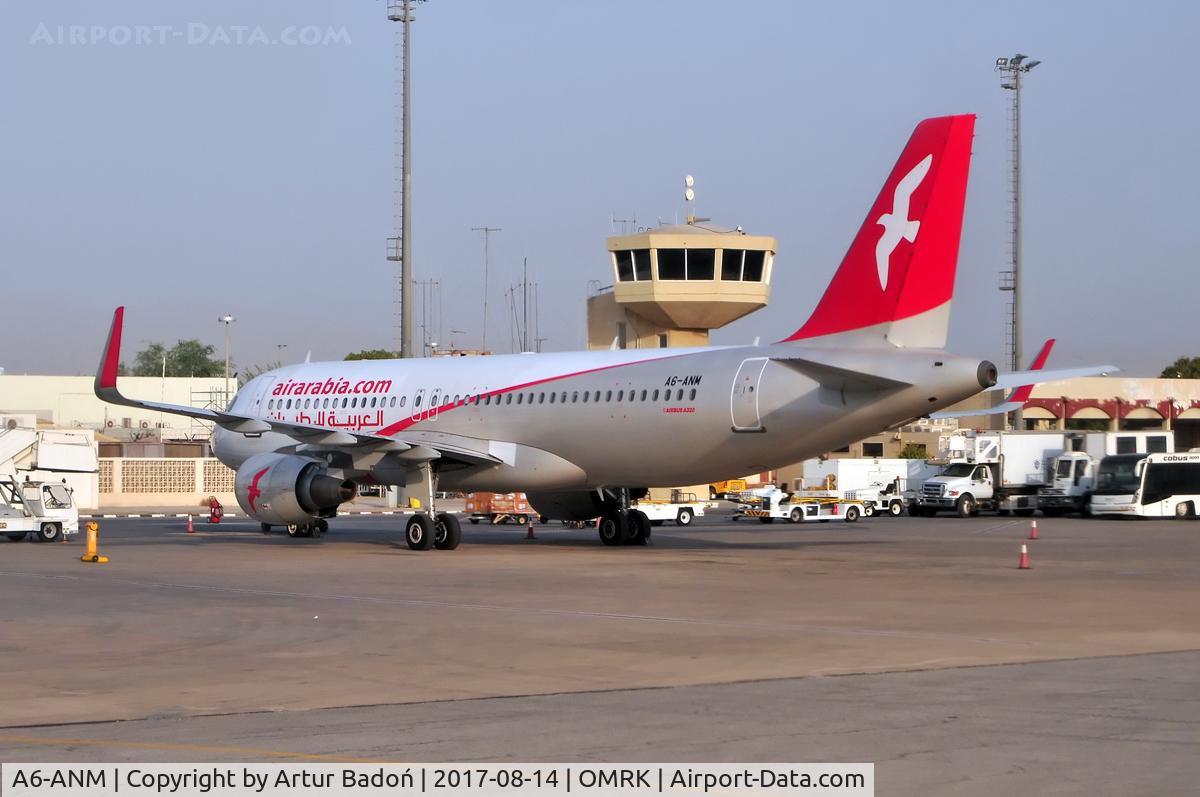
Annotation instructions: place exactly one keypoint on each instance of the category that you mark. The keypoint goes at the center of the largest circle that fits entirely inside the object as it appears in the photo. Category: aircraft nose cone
(987, 373)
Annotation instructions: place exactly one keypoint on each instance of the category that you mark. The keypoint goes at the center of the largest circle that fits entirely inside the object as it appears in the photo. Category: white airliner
(580, 431)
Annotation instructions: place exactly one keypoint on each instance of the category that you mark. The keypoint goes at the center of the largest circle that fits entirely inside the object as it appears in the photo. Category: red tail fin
(897, 278)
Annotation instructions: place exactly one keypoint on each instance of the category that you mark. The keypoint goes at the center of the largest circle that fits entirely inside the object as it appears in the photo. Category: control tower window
(624, 265)
(701, 264)
(641, 265)
(672, 264)
(731, 264)
(753, 271)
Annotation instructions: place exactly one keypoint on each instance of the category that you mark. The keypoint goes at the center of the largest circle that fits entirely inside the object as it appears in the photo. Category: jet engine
(283, 489)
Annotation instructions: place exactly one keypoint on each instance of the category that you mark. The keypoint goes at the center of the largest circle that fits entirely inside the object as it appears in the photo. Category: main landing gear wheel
(321, 526)
(614, 528)
(684, 518)
(49, 532)
(419, 532)
(447, 533)
(639, 528)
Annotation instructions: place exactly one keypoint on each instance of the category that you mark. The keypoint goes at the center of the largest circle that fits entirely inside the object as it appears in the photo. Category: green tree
(1183, 368)
(185, 358)
(913, 451)
(372, 354)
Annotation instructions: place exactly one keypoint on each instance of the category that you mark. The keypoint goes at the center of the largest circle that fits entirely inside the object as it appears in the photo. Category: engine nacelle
(282, 489)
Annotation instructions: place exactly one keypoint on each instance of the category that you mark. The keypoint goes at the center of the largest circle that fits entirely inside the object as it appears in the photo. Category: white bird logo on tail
(897, 225)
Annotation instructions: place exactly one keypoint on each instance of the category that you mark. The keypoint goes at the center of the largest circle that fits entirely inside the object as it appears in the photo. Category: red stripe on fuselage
(400, 426)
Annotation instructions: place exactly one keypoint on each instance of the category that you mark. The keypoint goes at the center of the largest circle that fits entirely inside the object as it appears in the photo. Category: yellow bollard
(93, 538)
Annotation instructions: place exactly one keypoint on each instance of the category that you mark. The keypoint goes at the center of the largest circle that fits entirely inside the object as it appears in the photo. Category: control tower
(672, 285)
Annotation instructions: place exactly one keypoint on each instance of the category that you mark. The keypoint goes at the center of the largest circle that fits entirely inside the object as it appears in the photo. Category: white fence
(165, 481)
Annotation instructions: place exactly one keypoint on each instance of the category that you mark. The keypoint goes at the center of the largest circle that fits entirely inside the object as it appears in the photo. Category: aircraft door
(261, 396)
(743, 400)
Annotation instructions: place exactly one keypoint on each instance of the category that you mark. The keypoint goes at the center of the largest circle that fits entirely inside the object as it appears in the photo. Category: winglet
(110, 360)
(1022, 394)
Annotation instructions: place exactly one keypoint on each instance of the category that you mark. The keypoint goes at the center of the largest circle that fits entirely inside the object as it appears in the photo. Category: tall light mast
(1013, 71)
(400, 245)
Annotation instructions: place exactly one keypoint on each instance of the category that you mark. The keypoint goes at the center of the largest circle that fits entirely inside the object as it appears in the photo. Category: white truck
(1009, 471)
(802, 507)
(680, 507)
(880, 484)
(990, 470)
(1073, 473)
(46, 509)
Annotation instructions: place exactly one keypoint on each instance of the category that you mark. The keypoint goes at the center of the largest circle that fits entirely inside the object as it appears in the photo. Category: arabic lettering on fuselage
(355, 421)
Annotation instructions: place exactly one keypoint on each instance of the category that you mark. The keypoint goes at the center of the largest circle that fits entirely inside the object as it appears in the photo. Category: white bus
(1147, 485)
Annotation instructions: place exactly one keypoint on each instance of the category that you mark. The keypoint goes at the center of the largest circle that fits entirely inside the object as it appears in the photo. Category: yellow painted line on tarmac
(50, 741)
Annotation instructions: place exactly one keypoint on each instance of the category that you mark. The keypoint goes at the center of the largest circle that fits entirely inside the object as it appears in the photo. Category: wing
(419, 444)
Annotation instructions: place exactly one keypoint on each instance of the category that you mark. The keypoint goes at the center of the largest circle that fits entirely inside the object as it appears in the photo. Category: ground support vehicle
(881, 484)
(46, 509)
(729, 488)
(497, 508)
(1014, 471)
(1147, 485)
(801, 508)
(1073, 473)
(682, 509)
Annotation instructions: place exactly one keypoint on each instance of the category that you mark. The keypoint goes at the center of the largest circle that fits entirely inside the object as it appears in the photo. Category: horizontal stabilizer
(1008, 406)
(1019, 378)
(838, 378)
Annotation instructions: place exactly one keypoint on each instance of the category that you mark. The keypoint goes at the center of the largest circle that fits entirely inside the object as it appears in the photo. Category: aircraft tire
(295, 530)
(613, 528)
(419, 532)
(447, 532)
(639, 528)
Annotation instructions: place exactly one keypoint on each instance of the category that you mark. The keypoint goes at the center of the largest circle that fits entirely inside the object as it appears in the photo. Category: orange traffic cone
(191, 529)
(1023, 564)
(1033, 531)
(529, 534)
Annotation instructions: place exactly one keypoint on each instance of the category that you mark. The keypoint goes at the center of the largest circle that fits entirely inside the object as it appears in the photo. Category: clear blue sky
(187, 179)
